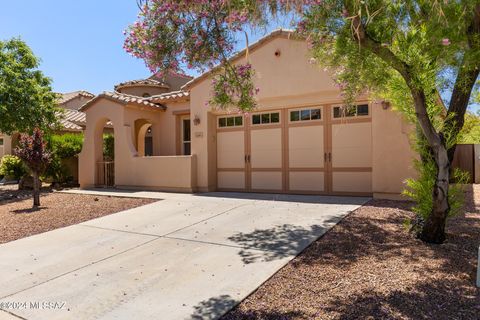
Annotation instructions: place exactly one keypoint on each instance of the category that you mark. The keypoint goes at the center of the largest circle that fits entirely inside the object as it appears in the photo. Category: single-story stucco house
(300, 140)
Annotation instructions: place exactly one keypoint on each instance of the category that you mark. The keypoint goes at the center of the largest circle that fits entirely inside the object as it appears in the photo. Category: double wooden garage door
(320, 150)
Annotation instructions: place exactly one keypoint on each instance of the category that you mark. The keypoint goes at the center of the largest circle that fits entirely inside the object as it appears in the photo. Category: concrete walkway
(185, 257)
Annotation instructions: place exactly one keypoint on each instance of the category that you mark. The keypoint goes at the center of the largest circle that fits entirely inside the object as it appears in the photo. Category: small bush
(62, 146)
(420, 190)
(108, 147)
(12, 167)
(65, 145)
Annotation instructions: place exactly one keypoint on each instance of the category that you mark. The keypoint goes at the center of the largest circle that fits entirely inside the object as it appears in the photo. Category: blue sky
(79, 42)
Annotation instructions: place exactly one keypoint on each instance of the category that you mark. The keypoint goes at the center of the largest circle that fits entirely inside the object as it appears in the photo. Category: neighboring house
(72, 120)
(300, 140)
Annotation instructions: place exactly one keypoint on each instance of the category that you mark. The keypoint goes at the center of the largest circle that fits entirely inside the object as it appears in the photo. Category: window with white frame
(266, 118)
(305, 114)
(230, 121)
(351, 111)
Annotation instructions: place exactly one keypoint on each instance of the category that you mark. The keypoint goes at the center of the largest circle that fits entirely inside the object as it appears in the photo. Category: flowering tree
(32, 150)
(409, 52)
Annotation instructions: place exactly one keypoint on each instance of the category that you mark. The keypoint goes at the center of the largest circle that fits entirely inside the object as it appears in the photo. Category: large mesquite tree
(32, 150)
(410, 52)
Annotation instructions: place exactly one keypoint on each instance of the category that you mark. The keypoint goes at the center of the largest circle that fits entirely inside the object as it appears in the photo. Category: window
(266, 118)
(350, 111)
(233, 121)
(305, 115)
(1, 141)
(186, 136)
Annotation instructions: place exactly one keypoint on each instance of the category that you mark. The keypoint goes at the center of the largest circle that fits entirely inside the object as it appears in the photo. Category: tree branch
(368, 43)
(466, 78)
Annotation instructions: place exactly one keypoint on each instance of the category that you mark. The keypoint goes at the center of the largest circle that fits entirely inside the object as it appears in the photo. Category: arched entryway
(144, 138)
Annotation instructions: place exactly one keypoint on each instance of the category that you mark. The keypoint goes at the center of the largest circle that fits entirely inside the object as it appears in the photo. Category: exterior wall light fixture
(196, 120)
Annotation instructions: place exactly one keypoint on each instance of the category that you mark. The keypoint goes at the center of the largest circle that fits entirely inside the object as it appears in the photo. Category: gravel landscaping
(18, 219)
(369, 267)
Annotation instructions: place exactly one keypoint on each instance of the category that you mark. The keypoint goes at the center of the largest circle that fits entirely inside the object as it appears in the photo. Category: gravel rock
(18, 219)
(370, 267)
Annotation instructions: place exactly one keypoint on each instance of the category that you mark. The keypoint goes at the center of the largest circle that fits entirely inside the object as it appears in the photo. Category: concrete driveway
(183, 257)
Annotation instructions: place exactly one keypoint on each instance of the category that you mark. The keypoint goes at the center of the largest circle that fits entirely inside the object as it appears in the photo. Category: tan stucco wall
(159, 172)
(288, 80)
(169, 128)
(392, 154)
(7, 145)
(2, 147)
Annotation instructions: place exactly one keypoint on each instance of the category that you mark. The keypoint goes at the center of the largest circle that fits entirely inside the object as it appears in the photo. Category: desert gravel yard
(369, 267)
(19, 220)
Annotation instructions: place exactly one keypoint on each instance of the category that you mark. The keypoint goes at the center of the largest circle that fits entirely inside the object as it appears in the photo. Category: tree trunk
(36, 190)
(434, 228)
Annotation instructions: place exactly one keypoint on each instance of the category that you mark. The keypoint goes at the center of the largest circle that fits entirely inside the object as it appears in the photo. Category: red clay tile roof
(123, 99)
(170, 96)
(145, 82)
(66, 97)
(72, 120)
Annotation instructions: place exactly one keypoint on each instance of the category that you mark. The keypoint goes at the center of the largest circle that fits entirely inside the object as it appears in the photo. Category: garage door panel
(307, 181)
(306, 147)
(352, 182)
(352, 145)
(231, 180)
(231, 149)
(267, 180)
(266, 148)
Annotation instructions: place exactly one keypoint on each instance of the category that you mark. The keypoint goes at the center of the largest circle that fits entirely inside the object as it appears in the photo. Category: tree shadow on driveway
(215, 307)
(275, 243)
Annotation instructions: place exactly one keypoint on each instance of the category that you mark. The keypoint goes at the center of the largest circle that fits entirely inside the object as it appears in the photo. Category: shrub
(12, 167)
(62, 146)
(65, 145)
(108, 147)
(420, 190)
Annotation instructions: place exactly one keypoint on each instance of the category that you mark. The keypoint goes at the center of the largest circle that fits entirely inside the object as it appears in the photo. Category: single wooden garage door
(311, 150)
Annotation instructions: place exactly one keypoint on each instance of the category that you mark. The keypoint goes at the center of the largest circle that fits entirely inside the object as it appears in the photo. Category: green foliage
(62, 147)
(26, 97)
(420, 190)
(57, 171)
(471, 129)
(108, 147)
(234, 87)
(12, 167)
(65, 145)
